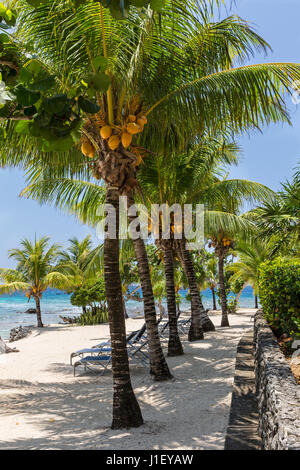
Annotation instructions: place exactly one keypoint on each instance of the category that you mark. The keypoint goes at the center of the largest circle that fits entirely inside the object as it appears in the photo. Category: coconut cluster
(114, 136)
(225, 242)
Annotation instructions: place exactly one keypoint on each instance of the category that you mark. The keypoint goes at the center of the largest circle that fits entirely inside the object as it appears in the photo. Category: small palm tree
(278, 219)
(251, 252)
(210, 280)
(35, 271)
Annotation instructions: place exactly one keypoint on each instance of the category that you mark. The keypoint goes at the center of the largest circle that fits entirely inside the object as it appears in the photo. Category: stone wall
(277, 391)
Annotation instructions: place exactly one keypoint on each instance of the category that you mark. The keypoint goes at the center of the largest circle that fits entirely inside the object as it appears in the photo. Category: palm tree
(226, 223)
(171, 178)
(206, 265)
(78, 263)
(251, 253)
(181, 83)
(277, 220)
(35, 271)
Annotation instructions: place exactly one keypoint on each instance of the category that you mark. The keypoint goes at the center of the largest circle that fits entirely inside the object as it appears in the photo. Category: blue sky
(267, 158)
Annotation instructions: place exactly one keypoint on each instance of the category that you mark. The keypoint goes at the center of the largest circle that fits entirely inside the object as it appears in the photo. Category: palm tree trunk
(224, 321)
(158, 365)
(256, 301)
(38, 312)
(126, 410)
(214, 298)
(200, 320)
(124, 307)
(174, 345)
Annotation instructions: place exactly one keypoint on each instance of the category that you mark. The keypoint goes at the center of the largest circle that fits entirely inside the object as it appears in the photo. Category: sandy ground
(42, 406)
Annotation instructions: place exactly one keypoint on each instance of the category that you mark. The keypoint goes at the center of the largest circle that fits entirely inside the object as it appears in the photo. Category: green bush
(93, 317)
(232, 304)
(279, 293)
(91, 295)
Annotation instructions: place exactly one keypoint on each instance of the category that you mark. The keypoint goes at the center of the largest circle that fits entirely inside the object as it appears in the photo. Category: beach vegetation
(162, 79)
(279, 293)
(34, 273)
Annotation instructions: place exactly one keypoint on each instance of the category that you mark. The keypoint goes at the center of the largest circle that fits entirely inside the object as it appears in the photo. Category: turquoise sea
(55, 303)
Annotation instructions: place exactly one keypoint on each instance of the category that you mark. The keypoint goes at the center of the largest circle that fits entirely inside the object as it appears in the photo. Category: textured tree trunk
(124, 307)
(214, 298)
(256, 301)
(126, 410)
(158, 365)
(38, 312)
(224, 321)
(174, 346)
(200, 320)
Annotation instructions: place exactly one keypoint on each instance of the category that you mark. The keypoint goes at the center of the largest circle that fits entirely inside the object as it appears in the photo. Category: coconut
(140, 122)
(87, 149)
(113, 142)
(105, 132)
(126, 139)
(133, 128)
(144, 119)
(131, 118)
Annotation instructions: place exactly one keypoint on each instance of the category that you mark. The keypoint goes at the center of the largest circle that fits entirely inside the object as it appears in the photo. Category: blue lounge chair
(89, 361)
(105, 346)
(135, 353)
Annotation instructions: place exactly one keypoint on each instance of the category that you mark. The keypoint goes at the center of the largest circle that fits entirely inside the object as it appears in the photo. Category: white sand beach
(42, 406)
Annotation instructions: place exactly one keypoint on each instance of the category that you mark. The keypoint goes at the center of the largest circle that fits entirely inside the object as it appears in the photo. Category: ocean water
(55, 303)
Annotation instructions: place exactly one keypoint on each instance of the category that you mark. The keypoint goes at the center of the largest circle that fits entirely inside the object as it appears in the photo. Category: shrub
(92, 295)
(232, 304)
(93, 317)
(279, 292)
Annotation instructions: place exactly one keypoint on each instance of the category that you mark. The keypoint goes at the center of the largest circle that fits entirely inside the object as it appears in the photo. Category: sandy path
(43, 407)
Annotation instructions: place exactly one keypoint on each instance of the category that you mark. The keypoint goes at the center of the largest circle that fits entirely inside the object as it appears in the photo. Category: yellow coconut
(113, 142)
(87, 149)
(131, 118)
(144, 119)
(126, 139)
(105, 132)
(140, 122)
(133, 128)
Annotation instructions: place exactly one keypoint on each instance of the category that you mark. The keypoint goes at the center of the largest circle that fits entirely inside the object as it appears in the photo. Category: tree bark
(256, 301)
(200, 320)
(124, 307)
(224, 321)
(174, 345)
(38, 312)
(126, 410)
(158, 365)
(214, 298)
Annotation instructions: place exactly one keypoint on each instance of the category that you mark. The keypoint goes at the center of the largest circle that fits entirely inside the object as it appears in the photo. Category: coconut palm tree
(151, 72)
(251, 253)
(35, 271)
(228, 224)
(206, 266)
(277, 220)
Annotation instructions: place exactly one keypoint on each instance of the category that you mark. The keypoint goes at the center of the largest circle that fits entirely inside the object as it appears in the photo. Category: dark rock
(277, 392)
(31, 310)
(19, 333)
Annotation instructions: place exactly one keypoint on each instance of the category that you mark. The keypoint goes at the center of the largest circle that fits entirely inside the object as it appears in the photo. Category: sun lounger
(89, 362)
(104, 347)
(135, 353)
